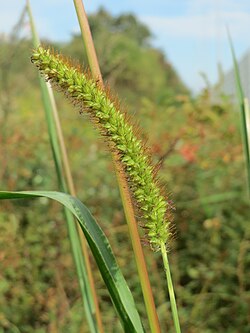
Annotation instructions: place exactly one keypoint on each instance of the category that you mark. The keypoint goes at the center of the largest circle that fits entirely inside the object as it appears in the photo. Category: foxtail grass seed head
(85, 92)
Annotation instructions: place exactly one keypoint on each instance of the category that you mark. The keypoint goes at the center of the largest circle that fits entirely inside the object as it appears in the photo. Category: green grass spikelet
(83, 90)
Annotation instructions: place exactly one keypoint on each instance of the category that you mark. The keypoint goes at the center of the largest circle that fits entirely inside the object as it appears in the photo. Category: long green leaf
(101, 249)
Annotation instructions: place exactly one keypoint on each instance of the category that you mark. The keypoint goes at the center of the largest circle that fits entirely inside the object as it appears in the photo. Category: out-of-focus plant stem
(78, 243)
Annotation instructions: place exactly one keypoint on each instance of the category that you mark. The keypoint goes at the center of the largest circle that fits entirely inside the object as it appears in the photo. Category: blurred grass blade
(247, 114)
(101, 249)
(80, 255)
(209, 200)
(242, 105)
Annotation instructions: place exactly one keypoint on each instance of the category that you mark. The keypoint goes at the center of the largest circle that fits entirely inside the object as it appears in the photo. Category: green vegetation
(198, 146)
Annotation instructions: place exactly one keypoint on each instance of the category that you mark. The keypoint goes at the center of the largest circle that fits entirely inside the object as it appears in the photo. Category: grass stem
(87, 40)
(122, 181)
(170, 289)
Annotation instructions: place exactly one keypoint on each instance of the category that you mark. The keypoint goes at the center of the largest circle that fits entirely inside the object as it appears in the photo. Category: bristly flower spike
(85, 92)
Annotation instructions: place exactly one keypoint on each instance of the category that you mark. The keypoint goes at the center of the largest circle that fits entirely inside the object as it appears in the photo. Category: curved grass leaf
(101, 249)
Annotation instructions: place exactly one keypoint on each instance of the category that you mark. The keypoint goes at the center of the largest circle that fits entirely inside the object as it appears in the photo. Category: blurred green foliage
(196, 142)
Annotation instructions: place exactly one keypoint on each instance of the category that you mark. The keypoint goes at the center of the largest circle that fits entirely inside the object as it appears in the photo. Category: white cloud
(208, 25)
(217, 5)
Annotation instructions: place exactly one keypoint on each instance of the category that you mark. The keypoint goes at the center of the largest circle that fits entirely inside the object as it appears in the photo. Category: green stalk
(87, 40)
(78, 243)
(170, 289)
(122, 182)
(243, 110)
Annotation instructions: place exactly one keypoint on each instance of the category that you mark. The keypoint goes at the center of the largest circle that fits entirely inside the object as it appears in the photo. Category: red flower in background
(188, 152)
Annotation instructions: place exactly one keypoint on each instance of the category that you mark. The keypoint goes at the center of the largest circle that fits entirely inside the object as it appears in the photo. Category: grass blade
(101, 249)
(243, 110)
(247, 113)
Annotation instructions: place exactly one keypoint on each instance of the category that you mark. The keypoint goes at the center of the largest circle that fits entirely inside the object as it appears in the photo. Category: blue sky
(191, 33)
